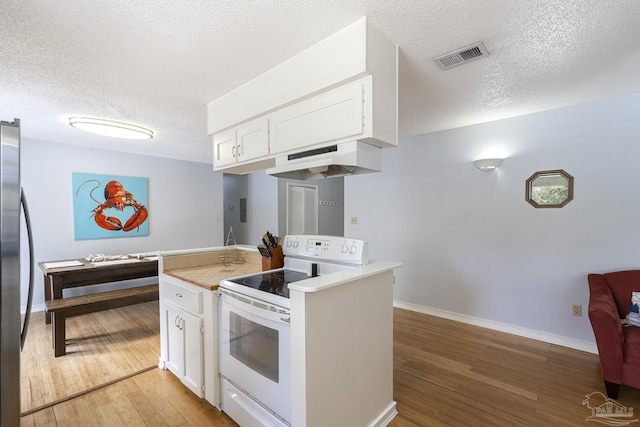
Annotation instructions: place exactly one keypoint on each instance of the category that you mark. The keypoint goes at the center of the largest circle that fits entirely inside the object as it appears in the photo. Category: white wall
(474, 249)
(184, 198)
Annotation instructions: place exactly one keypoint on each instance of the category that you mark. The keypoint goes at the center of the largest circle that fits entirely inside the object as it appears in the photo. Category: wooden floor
(445, 374)
(102, 348)
(452, 374)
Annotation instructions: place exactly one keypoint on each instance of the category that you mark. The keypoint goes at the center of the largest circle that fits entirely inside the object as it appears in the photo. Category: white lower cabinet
(184, 346)
(189, 336)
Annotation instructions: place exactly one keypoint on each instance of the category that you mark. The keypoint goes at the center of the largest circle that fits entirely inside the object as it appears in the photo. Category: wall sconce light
(110, 128)
(487, 165)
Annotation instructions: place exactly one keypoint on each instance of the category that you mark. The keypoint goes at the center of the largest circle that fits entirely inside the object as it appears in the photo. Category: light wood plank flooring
(102, 348)
(452, 374)
(445, 374)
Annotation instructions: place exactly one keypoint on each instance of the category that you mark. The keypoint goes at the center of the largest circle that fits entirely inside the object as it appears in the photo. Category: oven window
(254, 345)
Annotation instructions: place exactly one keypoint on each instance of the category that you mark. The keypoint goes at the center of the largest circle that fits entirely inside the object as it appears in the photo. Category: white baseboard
(386, 417)
(502, 327)
(34, 308)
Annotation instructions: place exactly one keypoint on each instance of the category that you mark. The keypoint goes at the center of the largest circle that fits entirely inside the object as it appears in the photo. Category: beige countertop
(209, 276)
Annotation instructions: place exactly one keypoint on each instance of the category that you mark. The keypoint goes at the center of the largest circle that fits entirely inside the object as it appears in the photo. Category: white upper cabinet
(247, 143)
(343, 88)
(326, 117)
(253, 140)
(224, 149)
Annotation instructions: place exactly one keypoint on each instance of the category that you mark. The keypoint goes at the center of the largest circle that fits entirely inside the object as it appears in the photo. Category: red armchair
(618, 345)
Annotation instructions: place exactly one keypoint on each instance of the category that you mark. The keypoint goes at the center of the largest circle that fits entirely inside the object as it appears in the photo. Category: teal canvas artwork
(107, 206)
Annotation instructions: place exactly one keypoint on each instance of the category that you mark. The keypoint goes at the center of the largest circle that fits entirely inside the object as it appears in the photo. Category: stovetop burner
(274, 282)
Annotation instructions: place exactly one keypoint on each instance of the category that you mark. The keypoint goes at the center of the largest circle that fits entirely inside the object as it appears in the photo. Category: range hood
(347, 158)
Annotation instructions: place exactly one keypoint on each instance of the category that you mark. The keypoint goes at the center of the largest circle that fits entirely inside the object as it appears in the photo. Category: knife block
(276, 260)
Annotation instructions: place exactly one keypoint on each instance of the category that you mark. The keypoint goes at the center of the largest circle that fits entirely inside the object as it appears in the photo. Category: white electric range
(255, 346)
(305, 258)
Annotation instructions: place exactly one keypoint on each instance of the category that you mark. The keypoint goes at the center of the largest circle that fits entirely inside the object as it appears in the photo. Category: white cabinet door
(327, 117)
(184, 347)
(252, 140)
(224, 149)
(242, 144)
(175, 341)
(193, 347)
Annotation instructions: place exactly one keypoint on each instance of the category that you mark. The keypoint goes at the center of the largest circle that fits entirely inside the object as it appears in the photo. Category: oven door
(255, 350)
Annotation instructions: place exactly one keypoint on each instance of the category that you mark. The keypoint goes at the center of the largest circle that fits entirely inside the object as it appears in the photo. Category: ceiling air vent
(461, 56)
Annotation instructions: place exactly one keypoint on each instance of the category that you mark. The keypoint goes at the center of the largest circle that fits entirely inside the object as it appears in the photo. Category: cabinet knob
(178, 295)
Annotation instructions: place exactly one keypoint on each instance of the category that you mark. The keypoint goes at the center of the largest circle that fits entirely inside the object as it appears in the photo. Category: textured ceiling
(157, 63)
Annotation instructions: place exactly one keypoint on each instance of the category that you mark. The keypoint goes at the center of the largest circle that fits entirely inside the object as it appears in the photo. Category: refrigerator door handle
(25, 326)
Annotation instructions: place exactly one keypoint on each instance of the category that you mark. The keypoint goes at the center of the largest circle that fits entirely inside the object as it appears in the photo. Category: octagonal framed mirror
(549, 189)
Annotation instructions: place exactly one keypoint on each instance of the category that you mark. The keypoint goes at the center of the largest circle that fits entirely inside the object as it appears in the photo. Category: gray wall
(267, 206)
(475, 250)
(262, 206)
(236, 187)
(184, 200)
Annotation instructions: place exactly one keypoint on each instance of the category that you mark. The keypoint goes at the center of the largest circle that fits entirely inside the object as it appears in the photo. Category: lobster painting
(116, 198)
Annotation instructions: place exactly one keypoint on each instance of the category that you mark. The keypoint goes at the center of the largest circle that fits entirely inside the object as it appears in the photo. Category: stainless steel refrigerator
(13, 330)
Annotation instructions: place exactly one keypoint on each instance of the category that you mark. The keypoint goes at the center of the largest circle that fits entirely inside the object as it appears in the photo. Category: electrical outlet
(354, 220)
(576, 310)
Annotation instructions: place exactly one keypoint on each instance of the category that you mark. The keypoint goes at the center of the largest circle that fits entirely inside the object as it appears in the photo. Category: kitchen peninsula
(338, 353)
(188, 281)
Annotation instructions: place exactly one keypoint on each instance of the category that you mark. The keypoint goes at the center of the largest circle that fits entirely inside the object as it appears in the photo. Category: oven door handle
(254, 306)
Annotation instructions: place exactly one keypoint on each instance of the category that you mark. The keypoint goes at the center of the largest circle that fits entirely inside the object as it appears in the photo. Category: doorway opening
(302, 209)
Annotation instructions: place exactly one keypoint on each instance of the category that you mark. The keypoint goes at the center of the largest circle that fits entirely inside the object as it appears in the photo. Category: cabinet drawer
(334, 115)
(182, 296)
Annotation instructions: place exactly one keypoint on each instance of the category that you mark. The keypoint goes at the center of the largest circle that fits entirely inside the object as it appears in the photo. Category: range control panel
(327, 248)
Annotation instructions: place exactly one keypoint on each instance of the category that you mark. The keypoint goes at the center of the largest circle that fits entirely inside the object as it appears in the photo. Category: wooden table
(57, 279)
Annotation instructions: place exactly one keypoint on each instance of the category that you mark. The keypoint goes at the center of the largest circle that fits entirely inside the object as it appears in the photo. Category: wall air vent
(461, 56)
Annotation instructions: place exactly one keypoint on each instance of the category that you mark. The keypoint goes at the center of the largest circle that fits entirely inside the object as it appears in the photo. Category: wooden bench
(74, 306)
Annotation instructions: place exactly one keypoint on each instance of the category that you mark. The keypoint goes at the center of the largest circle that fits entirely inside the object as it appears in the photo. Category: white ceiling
(156, 63)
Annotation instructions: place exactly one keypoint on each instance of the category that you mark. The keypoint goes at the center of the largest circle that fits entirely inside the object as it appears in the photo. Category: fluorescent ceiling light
(110, 128)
